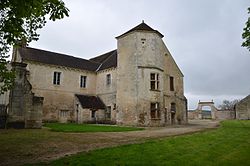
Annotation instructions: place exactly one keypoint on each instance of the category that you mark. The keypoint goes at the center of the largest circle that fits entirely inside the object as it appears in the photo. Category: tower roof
(142, 27)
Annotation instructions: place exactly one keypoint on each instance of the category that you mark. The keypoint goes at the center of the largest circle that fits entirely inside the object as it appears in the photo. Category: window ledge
(155, 118)
(155, 90)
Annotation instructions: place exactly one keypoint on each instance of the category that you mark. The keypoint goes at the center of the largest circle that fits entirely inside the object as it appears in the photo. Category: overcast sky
(203, 36)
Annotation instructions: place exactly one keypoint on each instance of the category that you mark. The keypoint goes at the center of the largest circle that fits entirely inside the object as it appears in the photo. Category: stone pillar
(16, 112)
(25, 109)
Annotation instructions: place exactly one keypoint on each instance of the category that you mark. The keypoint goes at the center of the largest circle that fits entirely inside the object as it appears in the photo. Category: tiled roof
(47, 57)
(107, 60)
(142, 27)
(91, 102)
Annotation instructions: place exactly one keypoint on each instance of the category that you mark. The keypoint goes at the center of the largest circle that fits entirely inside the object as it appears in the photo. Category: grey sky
(204, 37)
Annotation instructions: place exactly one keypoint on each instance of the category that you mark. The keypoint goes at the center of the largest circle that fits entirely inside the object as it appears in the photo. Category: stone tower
(142, 79)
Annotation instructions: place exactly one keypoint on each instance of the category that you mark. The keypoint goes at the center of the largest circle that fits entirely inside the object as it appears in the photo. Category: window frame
(57, 78)
(64, 113)
(171, 83)
(154, 81)
(83, 81)
(155, 110)
(173, 107)
(108, 79)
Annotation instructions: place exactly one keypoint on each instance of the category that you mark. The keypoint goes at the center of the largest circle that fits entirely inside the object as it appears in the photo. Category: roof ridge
(62, 54)
(91, 59)
(141, 27)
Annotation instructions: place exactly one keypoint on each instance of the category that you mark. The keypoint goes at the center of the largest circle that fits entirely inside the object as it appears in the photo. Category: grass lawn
(228, 145)
(72, 127)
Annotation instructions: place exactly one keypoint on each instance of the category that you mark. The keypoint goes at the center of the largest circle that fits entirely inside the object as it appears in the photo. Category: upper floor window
(108, 79)
(154, 81)
(171, 83)
(83, 82)
(57, 78)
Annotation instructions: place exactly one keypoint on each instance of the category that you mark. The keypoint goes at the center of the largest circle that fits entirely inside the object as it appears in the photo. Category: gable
(245, 100)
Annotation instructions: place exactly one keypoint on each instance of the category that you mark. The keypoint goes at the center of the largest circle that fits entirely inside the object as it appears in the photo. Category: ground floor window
(63, 113)
(93, 114)
(155, 111)
(173, 108)
(108, 113)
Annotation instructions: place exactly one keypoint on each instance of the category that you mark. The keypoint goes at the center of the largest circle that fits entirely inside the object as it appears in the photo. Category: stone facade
(139, 83)
(243, 108)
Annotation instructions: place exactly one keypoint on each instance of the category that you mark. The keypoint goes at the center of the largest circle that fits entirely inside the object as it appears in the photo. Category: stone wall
(107, 92)
(139, 55)
(59, 99)
(243, 108)
(25, 109)
(225, 114)
(218, 114)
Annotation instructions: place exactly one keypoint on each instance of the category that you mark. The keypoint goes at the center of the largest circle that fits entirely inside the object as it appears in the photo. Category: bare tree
(228, 105)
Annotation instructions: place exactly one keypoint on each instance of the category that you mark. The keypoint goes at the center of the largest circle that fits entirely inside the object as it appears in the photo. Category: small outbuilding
(243, 108)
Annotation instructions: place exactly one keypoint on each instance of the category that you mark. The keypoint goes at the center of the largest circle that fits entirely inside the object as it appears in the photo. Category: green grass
(72, 127)
(228, 145)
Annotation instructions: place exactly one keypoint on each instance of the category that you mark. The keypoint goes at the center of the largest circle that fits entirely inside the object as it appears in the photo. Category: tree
(246, 33)
(19, 21)
(228, 105)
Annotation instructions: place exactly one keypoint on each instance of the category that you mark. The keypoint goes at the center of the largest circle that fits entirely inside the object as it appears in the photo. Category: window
(171, 83)
(83, 80)
(57, 78)
(93, 114)
(155, 111)
(108, 79)
(64, 113)
(108, 113)
(173, 108)
(154, 81)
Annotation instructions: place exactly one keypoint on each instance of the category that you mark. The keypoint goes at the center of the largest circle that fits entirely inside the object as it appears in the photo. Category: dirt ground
(52, 145)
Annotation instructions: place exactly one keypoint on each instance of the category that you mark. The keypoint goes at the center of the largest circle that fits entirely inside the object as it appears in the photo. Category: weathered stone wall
(215, 114)
(243, 108)
(59, 99)
(107, 92)
(25, 109)
(139, 54)
(84, 116)
(225, 114)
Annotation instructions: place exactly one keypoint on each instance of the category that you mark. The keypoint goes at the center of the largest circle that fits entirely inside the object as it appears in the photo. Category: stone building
(138, 83)
(243, 108)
